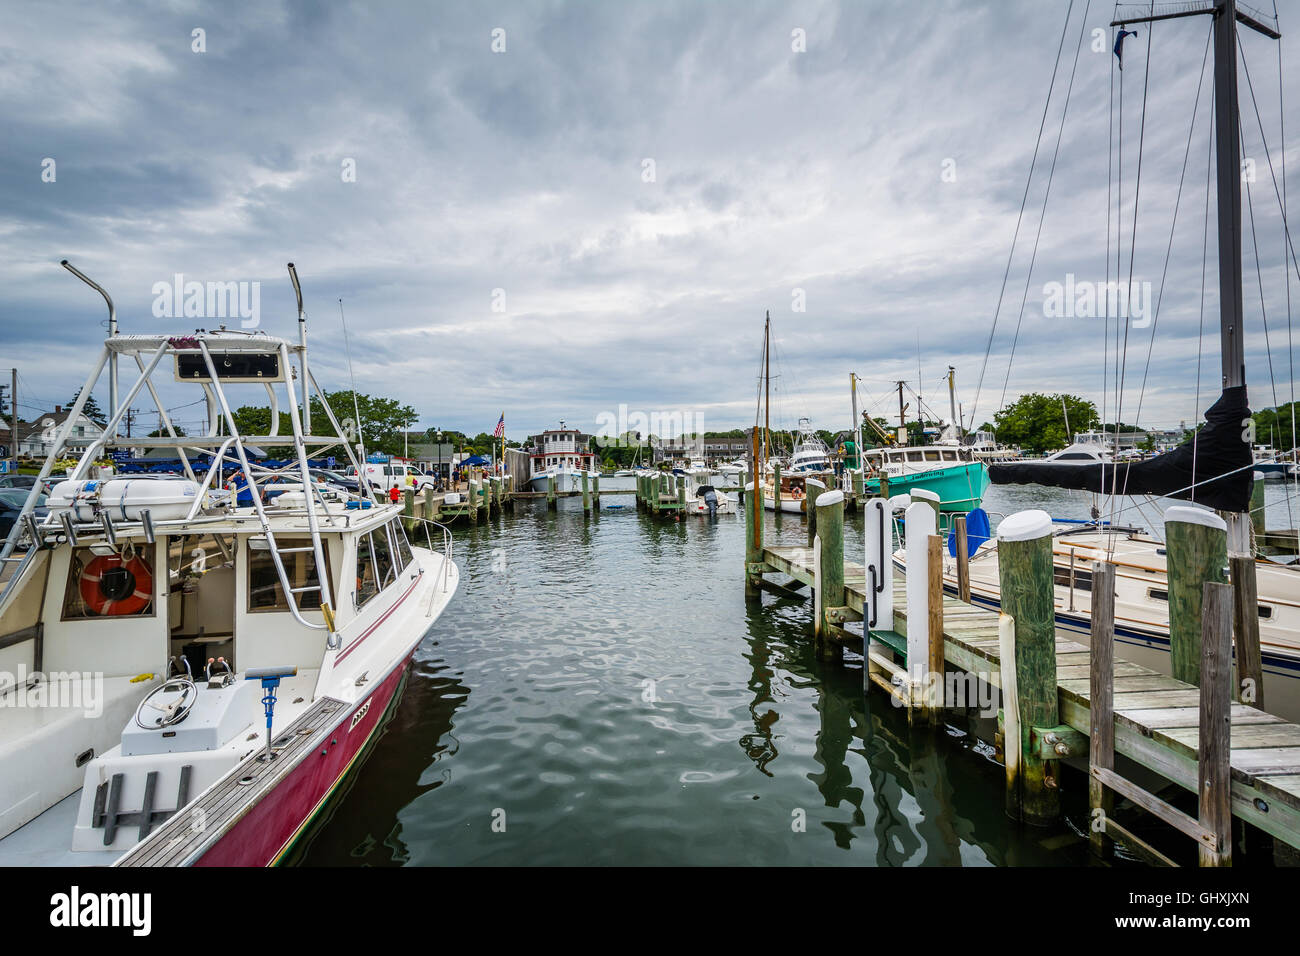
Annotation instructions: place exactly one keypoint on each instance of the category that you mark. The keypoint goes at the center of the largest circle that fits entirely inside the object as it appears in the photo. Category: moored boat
(194, 675)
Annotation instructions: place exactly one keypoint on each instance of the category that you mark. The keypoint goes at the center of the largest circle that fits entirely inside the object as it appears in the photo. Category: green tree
(381, 425)
(1036, 421)
(1273, 426)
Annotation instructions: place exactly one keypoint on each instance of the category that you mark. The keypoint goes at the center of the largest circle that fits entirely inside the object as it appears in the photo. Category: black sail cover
(1220, 453)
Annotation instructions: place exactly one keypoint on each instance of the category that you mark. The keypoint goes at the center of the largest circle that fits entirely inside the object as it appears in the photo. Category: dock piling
(1196, 543)
(963, 560)
(919, 524)
(586, 493)
(1214, 772)
(1026, 581)
(814, 488)
(1245, 608)
(830, 535)
(1101, 673)
(551, 502)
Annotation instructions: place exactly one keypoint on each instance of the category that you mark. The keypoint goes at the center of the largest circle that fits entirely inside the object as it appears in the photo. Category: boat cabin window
(375, 569)
(1076, 456)
(264, 591)
(914, 456)
(932, 455)
(404, 556)
(110, 585)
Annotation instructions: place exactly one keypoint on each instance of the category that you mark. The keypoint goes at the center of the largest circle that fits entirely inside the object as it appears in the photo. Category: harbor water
(599, 692)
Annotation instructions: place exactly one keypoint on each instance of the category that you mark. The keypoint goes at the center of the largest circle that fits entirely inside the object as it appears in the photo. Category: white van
(383, 477)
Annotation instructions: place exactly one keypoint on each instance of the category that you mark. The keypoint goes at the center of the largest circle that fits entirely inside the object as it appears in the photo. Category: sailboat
(208, 671)
(1215, 470)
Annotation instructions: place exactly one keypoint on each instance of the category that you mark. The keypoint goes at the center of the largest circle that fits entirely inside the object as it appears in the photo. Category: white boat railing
(448, 545)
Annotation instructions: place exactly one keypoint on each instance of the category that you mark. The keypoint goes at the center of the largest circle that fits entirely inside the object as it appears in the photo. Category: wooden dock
(1156, 719)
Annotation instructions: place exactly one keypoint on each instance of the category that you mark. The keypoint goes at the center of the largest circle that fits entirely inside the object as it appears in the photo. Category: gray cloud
(523, 171)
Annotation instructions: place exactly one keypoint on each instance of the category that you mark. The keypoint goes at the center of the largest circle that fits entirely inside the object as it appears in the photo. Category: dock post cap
(830, 498)
(749, 486)
(1025, 526)
(899, 502)
(1189, 515)
(814, 481)
(924, 494)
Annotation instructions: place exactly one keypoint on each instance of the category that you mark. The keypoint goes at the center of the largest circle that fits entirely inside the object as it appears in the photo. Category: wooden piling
(1214, 771)
(814, 488)
(1245, 614)
(1101, 735)
(1258, 516)
(830, 531)
(586, 493)
(595, 492)
(429, 512)
(776, 487)
(1196, 543)
(408, 508)
(933, 701)
(963, 560)
(551, 501)
(1026, 583)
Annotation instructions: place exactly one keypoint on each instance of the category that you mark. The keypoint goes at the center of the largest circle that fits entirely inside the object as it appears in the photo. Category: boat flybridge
(189, 666)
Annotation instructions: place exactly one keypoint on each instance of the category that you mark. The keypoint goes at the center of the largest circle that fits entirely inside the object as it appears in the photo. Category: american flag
(501, 427)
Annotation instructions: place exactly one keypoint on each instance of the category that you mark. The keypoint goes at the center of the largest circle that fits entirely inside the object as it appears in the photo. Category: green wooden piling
(1196, 546)
(830, 530)
(586, 493)
(595, 492)
(776, 487)
(1026, 581)
(471, 501)
(428, 504)
(550, 492)
(408, 508)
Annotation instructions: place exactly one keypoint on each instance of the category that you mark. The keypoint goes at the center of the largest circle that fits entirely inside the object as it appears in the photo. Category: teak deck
(1156, 717)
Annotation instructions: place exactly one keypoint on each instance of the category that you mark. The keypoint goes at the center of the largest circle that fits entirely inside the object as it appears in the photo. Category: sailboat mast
(767, 385)
(1227, 158)
(1227, 154)
(902, 418)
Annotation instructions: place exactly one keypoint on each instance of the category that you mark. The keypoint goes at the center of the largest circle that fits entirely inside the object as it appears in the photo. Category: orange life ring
(127, 590)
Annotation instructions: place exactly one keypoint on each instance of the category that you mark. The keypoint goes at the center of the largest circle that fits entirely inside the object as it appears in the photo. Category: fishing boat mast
(1227, 154)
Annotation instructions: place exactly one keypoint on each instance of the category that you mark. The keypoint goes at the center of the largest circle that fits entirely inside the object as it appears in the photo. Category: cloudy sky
(557, 208)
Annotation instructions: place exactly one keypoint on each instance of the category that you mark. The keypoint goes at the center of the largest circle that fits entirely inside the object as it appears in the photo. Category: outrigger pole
(112, 331)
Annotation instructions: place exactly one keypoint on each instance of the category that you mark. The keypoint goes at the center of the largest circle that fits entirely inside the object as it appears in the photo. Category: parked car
(11, 506)
(24, 482)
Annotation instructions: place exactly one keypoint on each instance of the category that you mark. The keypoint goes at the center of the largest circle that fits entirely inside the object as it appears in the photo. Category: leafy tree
(162, 432)
(1273, 426)
(1036, 422)
(381, 425)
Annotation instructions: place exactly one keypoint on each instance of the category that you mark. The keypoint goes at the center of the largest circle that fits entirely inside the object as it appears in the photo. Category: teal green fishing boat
(960, 486)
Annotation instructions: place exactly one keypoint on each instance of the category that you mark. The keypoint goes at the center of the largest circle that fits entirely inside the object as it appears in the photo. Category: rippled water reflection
(601, 687)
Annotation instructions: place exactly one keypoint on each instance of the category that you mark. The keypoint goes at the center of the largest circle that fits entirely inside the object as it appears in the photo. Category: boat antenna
(302, 351)
(356, 409)
(112, 331)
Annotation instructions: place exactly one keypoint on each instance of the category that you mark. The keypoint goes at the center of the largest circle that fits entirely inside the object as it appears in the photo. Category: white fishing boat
(187, 679)
(810, 453)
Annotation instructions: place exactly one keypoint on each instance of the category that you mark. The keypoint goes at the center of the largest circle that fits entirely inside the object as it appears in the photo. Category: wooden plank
(1175, 717)
(963, 560)
(1245, 736)
(935, 661)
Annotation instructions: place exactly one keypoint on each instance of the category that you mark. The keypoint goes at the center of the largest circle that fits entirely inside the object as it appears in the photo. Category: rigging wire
(1047, 193)
(1122, 357)
(1042, 125)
